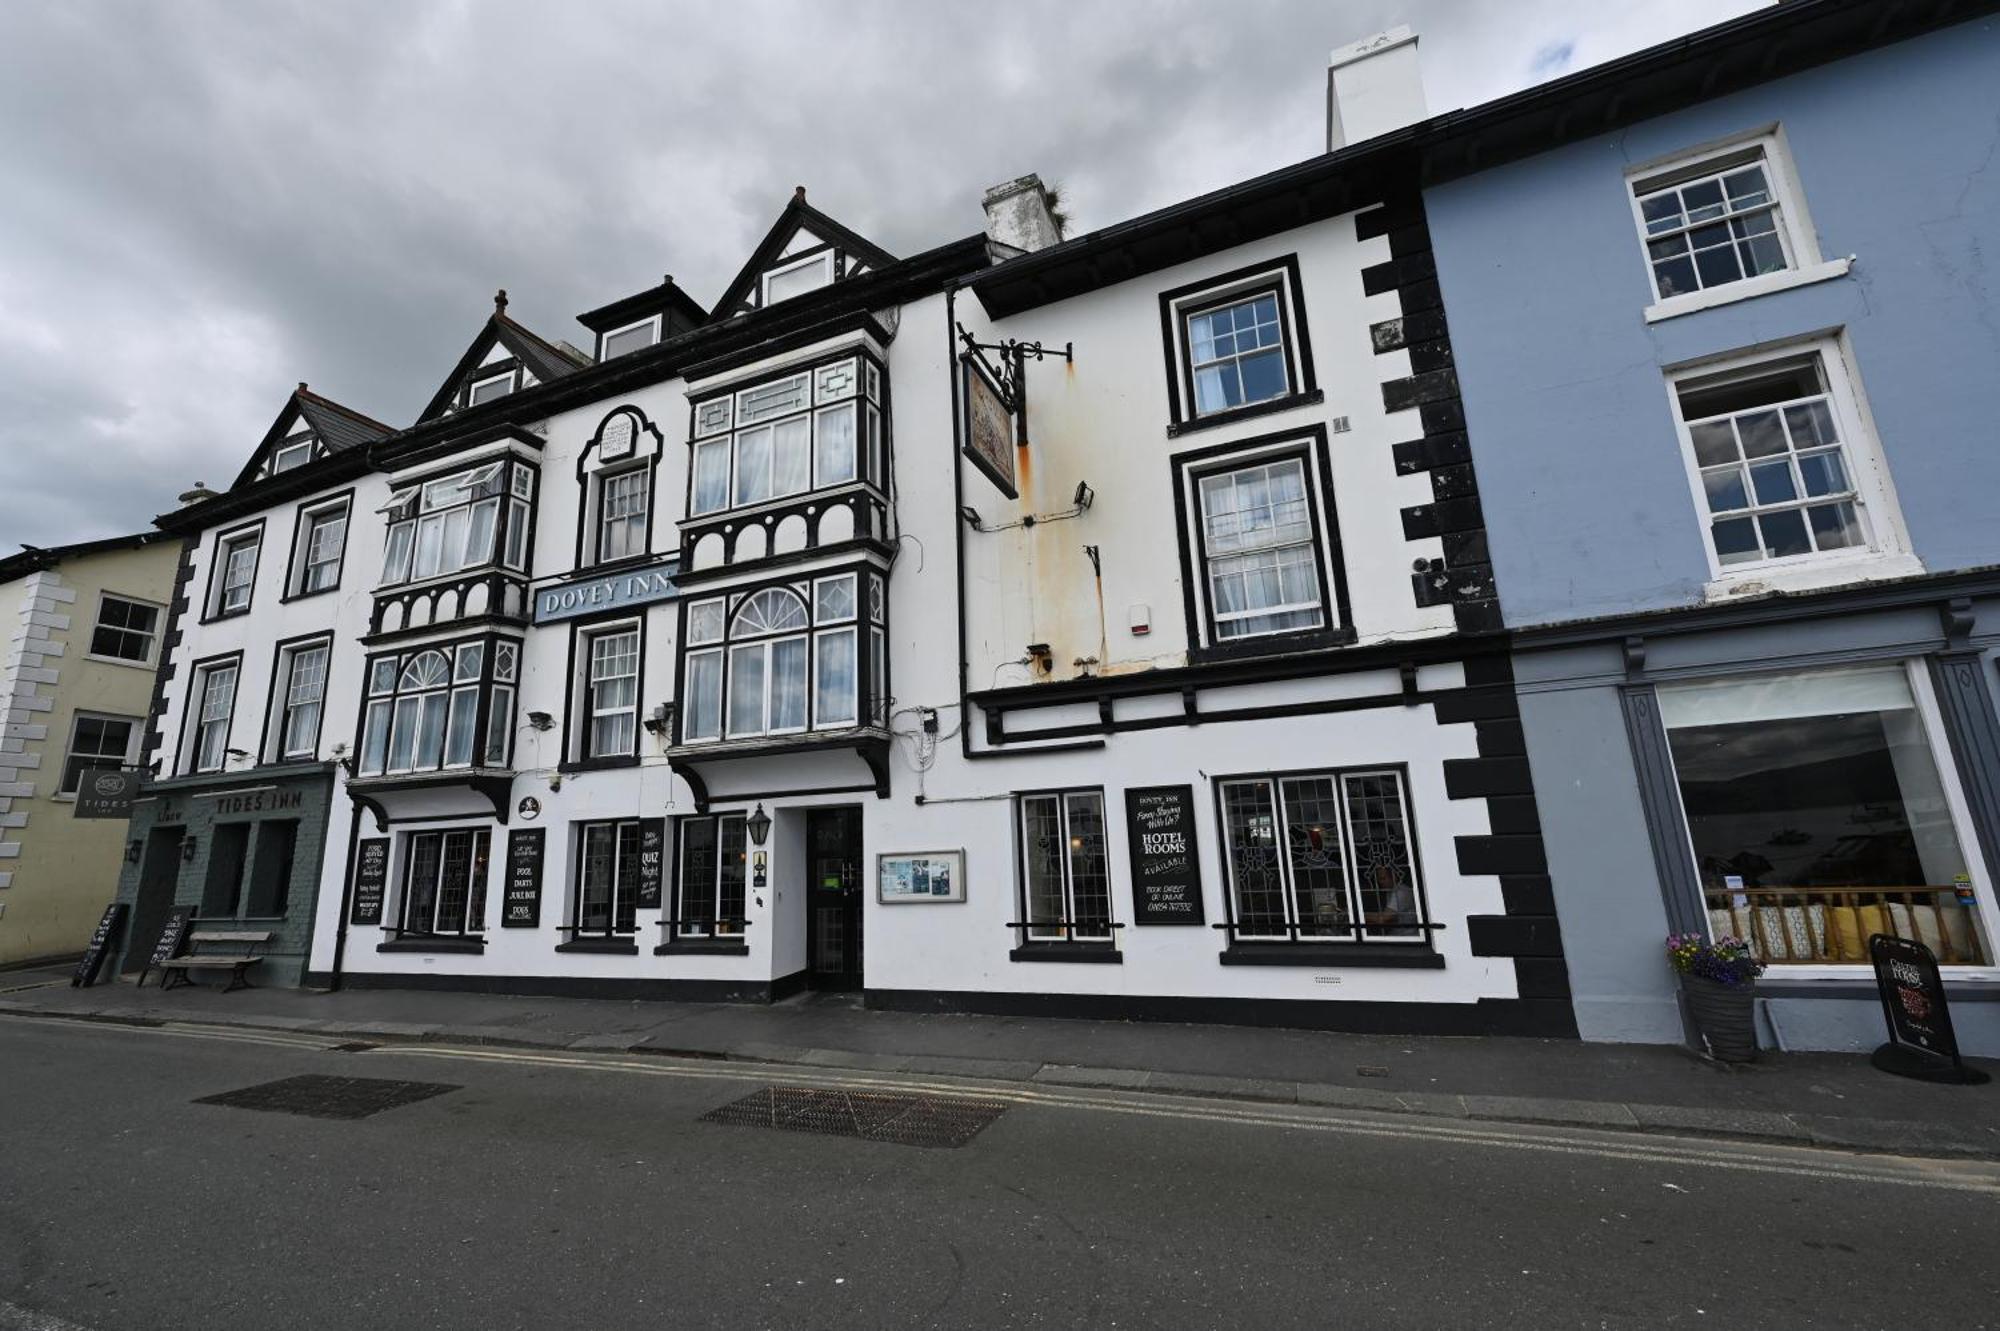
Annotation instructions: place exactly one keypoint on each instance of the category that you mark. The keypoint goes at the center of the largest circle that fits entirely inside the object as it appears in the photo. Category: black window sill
(470, 944)
(700, 947)
(1408, 956)
(290, 597)
(1251, 412)
(1273, 644)
(221, 615)
(1100, 953)
(599, 764)
(610, 946)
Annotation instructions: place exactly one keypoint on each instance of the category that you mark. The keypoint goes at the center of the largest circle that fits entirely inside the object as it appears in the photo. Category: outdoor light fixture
(189, 845)
(132, 849)
(971, 516)
(540, 720)
(758, 825)
(1085, 497)
(661, 719)
(239, 755)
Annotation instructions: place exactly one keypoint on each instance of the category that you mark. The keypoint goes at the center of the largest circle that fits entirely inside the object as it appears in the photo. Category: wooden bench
(236, 963)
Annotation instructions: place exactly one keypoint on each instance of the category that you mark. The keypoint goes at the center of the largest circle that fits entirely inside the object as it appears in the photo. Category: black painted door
(159, 873)
(833, 898)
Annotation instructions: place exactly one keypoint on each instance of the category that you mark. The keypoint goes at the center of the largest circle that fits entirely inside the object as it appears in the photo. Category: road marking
(15, 1318)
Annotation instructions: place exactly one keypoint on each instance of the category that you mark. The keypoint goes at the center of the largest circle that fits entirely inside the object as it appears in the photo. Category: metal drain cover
(329, 1097)
(876, 1116)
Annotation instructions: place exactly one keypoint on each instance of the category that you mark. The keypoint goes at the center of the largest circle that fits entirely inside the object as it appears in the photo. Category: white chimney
(1372, 87)
(1018, 218)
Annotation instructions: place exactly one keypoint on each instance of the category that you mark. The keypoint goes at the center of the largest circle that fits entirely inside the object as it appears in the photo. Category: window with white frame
(1260, 550)
(1236, 353)
(293, 452)
(235, 574)
(439, 707)
(632, 337)
(610, 691)
(1718, 218)
(621, 513)
(782, 660)
(444, 881)
(300, 699)
(1782, 467)
(607, 885)
(768, 664)
(701, 707)
(489, 389)
(213, 699)
(126, 630)
(710, 879)
(796, 279)
(447, 525)
(1065, 872)
(1321, 855)
(802, 431)
(98, 741)
(322, 545)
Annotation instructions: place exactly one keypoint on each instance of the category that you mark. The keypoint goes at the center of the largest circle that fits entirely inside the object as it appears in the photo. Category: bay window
(783, 660)
(1318, 856)
(424, 708)
(807, 430)
(1818, 814)
(449, 524)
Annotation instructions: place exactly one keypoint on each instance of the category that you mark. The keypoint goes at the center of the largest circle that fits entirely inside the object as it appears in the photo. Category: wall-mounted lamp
(540, 720)
(662, 719)
(971, 516)
(132, 850)
(758, 825)
(190, 845)
(1085, 497)
(238, 755)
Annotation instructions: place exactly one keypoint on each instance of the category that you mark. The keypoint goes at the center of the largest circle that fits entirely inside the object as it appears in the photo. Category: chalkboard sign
(371, 879)
(652, 861)
(1166, 868)
(102, 940)
(1921, 1041)
(523, 906)
(172, 940)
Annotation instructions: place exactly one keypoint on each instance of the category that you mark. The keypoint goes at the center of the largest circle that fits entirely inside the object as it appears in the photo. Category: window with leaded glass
(444, 881)
(709, 880)
(1321, 856)
(607, 889)
(425, 706)
(1065, 875)
(802, 431)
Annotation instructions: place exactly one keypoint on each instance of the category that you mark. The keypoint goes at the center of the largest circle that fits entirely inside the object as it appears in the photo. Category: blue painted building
(1727, 338)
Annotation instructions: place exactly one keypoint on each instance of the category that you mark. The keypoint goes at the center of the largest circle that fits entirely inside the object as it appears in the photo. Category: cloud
(207, 201)
(1551, 60)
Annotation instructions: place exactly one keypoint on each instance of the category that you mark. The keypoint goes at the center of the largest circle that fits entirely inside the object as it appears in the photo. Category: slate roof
(545, 359)
(338, 429)
(797, 213)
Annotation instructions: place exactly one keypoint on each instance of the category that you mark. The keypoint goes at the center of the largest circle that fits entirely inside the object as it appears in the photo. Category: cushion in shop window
(1928, 931)
(1720, 925)
(1849, 944)
(1823, 943)
(1771, 933)
(1900, 923)
(1958, 935)
(1798, 938)
(1874, 920)
(1742, 927)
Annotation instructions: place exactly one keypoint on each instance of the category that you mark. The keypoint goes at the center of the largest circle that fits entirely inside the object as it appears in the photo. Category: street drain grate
(876, 1116)
(351, 1047)
(329, 1097)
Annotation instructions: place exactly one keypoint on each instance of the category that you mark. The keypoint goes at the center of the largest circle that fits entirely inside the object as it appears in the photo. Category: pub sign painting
(105, 792)
(989, 428)
(920, 876)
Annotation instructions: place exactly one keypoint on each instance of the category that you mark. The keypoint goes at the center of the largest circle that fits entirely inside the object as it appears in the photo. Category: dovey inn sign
(570, 599)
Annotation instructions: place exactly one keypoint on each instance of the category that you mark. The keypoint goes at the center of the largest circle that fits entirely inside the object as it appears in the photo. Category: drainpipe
(346, 891)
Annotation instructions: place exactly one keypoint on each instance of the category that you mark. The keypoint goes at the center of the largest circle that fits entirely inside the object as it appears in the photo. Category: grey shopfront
(242, 849)
(1800, 772)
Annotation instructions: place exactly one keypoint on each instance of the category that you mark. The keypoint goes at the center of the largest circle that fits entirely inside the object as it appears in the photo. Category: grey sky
(202, 203)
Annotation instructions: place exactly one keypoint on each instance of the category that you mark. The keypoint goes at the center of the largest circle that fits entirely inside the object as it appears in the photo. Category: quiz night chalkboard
(102, 940)
(371, 879)
(522, 908)
(171, 942)
(1921, 1041)
(652, 861)
(1166, 869)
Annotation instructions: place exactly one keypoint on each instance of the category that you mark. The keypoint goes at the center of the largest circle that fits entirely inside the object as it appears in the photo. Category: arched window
(423, 709)
(780, 661)
(767, 676)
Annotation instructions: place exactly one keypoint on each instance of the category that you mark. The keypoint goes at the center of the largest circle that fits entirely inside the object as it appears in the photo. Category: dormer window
(803, 431)
(631, 338)
(294, 452)
(443, 526)
(487, 390)
(797, 279)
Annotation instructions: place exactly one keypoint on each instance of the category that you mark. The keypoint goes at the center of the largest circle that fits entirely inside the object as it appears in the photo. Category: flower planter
(1723, 1017)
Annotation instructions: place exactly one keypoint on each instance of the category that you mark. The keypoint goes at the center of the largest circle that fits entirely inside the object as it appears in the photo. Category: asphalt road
(553, 1190)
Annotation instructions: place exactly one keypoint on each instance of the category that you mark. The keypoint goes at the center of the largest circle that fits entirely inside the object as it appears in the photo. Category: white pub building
(1097, 626)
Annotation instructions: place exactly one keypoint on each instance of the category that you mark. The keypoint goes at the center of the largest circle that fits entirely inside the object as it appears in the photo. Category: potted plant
(1720, 981)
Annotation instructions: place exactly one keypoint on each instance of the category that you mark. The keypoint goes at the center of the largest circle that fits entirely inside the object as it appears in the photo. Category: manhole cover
(876, 1116)
(329, 1097)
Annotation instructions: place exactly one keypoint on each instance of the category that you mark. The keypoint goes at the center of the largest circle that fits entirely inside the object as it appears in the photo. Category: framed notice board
(1166, 864)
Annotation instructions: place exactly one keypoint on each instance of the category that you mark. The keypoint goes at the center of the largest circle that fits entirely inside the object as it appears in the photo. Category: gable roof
(35, 557)
(544, 359)
(334, 428)
(851, 249)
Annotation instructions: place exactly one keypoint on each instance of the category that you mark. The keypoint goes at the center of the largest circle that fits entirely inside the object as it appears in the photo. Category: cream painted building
(83, 626)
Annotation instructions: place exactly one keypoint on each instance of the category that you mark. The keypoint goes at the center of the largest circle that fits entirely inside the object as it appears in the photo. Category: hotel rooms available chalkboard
(1166, 869)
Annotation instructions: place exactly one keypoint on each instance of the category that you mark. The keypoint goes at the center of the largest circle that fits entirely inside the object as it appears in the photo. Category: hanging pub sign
(522, 907)
(1921, 1042)
(172, 941)
(652, 861)
(371, 879)
(989, 427)
(1166, 870)
(105, 792)
(102, 939)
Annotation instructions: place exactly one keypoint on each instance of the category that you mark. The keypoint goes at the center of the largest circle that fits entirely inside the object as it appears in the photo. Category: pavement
(1824, 1100)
